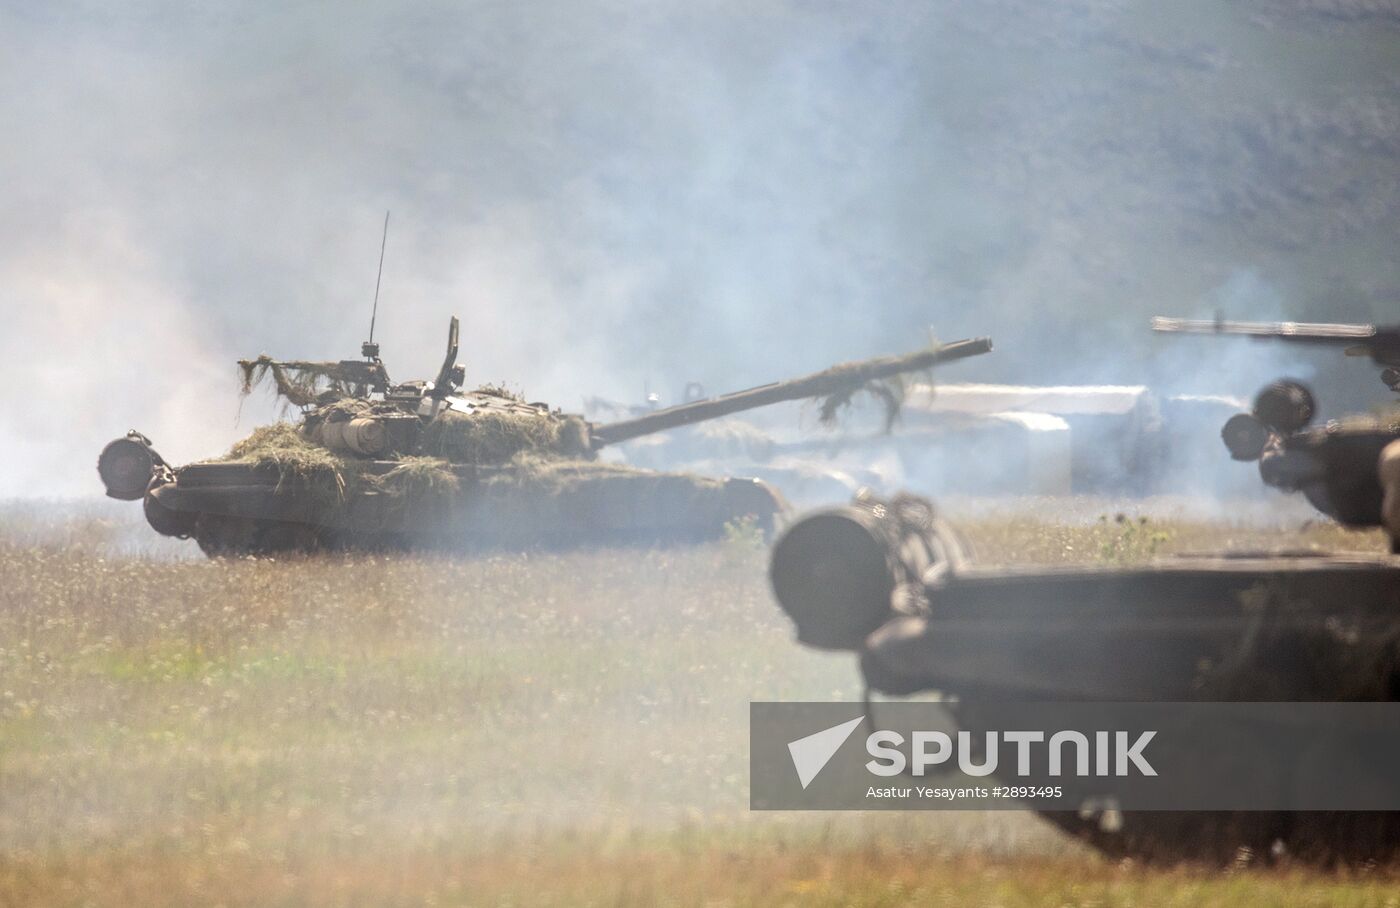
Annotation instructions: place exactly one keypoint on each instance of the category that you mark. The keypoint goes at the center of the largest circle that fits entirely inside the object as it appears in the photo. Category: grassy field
(514, 729)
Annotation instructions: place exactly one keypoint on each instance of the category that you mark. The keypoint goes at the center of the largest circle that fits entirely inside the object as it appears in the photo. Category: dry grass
(541, 729)
(1117, 538)
(678, 871)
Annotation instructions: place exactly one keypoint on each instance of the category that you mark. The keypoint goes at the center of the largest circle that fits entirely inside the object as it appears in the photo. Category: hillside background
(617, 197)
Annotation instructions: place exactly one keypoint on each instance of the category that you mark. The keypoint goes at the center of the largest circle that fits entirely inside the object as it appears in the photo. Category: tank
(892, 581)
(1348, 468)
(423, 464)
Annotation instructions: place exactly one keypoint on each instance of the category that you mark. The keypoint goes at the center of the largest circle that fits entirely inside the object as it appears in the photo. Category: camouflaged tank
(892, 581)
(421, 464)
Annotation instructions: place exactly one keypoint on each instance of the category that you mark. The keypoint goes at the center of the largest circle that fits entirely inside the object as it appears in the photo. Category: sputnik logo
(812, 753)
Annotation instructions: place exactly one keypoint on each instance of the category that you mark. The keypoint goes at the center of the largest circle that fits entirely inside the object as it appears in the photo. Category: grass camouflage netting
(414, 477)
(498, 437)
(297, 460)
(488, 437)
(300, 383)
(534, 448)
(556, 474)
(889, 392)
(311, 466)
(499, 389)
(349, 408)
(305, 465)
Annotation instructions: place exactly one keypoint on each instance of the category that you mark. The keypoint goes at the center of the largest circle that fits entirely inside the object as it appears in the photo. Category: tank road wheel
(1389, 472)
(276, 536)
(753, 498)
(221, 536)
(224, 537)
(1170, 837)
(1325, 838)
(1322, 837)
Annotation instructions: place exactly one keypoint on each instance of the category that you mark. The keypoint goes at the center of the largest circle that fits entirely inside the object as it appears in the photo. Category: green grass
(514, 729)
(683, 870)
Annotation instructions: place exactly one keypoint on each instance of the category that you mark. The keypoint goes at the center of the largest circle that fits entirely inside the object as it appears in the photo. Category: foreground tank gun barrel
(837, 380)
(1347, 468)
(1381, 343)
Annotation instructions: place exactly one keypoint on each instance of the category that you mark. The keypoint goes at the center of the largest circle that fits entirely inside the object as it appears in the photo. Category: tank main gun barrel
(1380, 342)
(836, 380)
(1305, 332)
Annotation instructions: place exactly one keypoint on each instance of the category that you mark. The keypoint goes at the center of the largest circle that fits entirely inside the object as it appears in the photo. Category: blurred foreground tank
(422, 464)
(893, 582)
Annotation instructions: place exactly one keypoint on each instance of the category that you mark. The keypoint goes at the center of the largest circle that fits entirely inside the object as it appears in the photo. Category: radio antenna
(374, 314)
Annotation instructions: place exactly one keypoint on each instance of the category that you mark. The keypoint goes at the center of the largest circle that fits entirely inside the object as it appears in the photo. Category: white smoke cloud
(611, 194)
(98, 339)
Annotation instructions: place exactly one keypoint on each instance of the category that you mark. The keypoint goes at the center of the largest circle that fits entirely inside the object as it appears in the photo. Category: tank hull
(1296, 628)
(1151, 632)
(232, 509)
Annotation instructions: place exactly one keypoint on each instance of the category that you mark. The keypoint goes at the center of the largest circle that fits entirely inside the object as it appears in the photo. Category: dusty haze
(612, 195)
